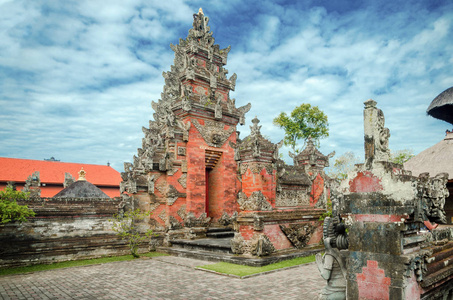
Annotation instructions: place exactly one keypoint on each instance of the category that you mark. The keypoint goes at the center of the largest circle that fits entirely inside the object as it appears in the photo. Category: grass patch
(74, 263)
(240, 270)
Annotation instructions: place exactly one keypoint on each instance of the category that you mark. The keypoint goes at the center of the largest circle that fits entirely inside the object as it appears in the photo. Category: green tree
(126, 227)
(304, 121)
(343, 165)
(401, 156)
(10, 211)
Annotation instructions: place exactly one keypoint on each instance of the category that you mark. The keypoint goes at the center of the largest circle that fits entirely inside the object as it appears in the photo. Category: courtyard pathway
(159, 278)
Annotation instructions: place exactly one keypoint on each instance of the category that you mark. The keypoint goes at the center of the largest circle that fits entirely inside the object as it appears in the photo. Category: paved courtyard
(159, 278)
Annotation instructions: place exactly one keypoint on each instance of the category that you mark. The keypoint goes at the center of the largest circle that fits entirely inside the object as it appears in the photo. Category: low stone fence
(63, 229)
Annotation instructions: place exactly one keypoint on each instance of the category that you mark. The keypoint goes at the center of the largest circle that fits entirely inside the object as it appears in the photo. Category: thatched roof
(442, 106)
(436, 159)
(81, 189)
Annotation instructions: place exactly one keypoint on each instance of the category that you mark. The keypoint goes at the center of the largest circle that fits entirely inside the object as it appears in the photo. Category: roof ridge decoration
(82, 175)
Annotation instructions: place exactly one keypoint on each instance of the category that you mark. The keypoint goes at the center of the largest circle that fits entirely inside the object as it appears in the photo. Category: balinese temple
(193, 172)
(438, 158)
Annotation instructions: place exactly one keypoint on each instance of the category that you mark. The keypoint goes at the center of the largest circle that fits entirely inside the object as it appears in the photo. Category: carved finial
(200, 11)
(255, 129)
(82, 175)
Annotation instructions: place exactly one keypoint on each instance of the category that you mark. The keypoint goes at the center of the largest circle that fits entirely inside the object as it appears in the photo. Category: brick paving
(159, 278)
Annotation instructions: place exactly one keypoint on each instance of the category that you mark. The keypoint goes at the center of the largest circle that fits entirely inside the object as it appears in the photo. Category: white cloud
(81, 74)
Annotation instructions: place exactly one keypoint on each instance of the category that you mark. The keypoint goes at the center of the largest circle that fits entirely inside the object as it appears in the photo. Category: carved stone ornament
(68, 179)
(432, 193)
(214, 133)
(226, 220)
(332, 265)
(292, 197)
(242, 111)
(376, 135)
(182, 151)
(151, 184)
(256, 202)
(298, 234)
(191, 221)
(256, 168)
(183, 180)
(259, 245)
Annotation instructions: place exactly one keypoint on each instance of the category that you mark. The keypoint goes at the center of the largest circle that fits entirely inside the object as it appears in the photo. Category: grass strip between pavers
(74, 263)
(241, 270)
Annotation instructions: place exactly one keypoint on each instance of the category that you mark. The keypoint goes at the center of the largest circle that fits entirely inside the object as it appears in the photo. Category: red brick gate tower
(193, 172)
(185, 172)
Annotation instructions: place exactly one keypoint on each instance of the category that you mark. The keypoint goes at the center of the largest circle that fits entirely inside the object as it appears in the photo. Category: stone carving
(256, 202)
(214, 133)
(290, 197)
(432, 193)
(376, 135)
(153, 206)
(218, 109)
(242, 111)
(262, 246)
(151, 184)
(68, 179)
(191, 221)
(183, 180)
(226, 220)
(163, 216)
(182, 151)
(173, 224)
(256, 168)
(237, 154)
(298, 234)
(182, 212)
(259, 245)
(332, 265)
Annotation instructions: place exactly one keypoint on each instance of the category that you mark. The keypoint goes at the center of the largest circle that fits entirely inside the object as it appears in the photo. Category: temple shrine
(193, 172)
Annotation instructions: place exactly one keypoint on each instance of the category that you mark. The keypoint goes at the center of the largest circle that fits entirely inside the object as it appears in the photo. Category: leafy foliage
(10, 211)
(126, 227)
(328, 212)
(305, 121)
(343, 165)
(401, 156)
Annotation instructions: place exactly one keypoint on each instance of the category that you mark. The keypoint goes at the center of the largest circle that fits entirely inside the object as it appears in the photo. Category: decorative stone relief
(182, 151)
(259, 245)
(256, 202)
(173, 224)
(183, 180)
(153, 206)
(256, 168)
(68, 179)
(286, 197)
(151, 184)
(163, 215)
(182, 212)
(214, 133)
(184, 166)
(242, 111)
(298, 234)
(432, 193)
(376, 135)
(226, 220)
(191, 221)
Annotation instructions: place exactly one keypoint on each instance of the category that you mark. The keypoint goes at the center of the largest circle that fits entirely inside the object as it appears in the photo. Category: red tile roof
(52, 172)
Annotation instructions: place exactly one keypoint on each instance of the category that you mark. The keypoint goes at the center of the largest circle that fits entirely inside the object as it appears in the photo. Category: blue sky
(77, 77)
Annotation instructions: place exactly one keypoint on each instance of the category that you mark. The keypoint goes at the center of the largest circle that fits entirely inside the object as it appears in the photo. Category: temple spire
(200, 11)
(82, 175)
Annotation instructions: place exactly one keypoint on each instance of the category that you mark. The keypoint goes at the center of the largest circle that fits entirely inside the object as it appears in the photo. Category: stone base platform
(240, 259)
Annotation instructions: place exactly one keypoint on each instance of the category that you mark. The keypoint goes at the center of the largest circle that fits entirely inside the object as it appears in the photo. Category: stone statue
(332, 265)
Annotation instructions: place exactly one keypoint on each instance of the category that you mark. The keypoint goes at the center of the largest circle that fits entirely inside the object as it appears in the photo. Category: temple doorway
(214, 185)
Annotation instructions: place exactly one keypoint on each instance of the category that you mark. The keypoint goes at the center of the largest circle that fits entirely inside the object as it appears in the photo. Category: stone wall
(63, 229)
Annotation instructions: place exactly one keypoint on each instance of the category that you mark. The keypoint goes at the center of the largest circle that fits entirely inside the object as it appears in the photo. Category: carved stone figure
(332, 265)
(68, 179)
